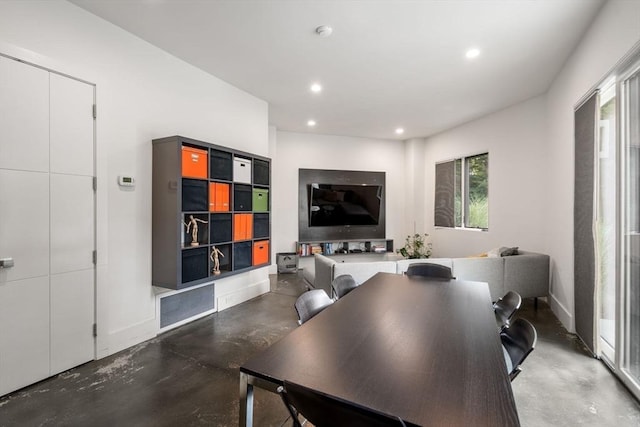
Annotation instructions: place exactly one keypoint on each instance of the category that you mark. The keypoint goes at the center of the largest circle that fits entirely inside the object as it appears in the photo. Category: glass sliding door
(605, 224)
(630, 289)
(617, 225)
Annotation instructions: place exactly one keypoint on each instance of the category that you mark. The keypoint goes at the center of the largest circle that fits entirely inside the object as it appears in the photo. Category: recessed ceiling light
(472, 53)
(399, 131)
(311, 123)
(316, 88)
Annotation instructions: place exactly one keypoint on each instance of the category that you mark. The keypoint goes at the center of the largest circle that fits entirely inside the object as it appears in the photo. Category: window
(462, 193)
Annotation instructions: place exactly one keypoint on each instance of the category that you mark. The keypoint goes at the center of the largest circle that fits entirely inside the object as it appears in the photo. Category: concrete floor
(189, 376)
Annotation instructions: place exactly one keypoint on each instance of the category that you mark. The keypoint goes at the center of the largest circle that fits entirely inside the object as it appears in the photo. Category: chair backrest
(518, 341)
(426, 269)
(311, 303)
(506, 307)
(328, 411)
(342, 285)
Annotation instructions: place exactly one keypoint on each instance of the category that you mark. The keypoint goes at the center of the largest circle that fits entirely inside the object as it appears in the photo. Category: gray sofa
(526, 273)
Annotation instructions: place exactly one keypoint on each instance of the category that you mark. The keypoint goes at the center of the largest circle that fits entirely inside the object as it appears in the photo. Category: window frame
(460, 193)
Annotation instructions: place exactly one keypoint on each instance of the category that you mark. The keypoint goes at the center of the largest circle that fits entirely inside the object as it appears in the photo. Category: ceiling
(388, 64)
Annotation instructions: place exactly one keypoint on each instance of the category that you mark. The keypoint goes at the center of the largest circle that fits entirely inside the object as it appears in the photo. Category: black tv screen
(344, 204)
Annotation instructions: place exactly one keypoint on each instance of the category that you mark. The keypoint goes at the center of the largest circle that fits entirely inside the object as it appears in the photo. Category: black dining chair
(431, 270)
(506, 307)
(342, 285)
(311, 303)
(518, 341)
(329, 411)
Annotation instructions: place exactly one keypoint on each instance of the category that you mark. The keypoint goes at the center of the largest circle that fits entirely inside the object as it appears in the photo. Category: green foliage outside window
(478, 216)
(478, 191)
(461, 196)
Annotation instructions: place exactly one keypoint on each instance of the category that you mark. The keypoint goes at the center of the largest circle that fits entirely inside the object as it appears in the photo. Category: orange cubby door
(222, 197)
(242, 226)
(238, 227)
(212, 196)
(194, 162)
(260, 252)
(218, 197)
(249, 225)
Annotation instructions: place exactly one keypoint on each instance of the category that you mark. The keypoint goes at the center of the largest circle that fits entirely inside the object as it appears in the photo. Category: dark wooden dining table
(425, 350)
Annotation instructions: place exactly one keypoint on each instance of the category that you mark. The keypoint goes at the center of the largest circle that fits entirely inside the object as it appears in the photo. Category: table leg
(246, 401)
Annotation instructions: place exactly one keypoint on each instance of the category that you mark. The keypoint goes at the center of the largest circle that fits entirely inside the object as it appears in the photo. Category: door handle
(6, 262)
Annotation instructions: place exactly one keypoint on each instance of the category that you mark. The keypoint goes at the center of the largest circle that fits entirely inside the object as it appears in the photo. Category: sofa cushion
(323, 273)
(488, 270)
(527, 273)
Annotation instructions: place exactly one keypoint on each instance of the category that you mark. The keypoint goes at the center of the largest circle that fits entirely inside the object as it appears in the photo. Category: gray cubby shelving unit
(304, 249)
(230, 201)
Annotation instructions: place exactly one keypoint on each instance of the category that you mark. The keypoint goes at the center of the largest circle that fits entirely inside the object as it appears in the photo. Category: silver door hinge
(95, 111)
(95, 330)
(95, 257)
(95, 183)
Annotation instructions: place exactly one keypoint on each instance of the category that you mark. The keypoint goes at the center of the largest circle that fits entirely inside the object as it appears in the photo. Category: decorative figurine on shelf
(193, 226)
(215, 253)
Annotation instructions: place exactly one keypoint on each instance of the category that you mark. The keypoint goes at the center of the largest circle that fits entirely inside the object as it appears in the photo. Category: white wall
(416, 193)
(313, 151)
(611, 36)
(142, 93)
(516, 142)
(531, 161)
(273, 154)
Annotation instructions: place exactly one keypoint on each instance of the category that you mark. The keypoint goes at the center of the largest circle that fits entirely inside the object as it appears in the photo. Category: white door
(72, 220)
(47, 224)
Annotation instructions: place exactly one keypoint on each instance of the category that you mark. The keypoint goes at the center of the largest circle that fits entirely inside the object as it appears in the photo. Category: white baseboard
(124, 338)
(562, 313)
(234, 298)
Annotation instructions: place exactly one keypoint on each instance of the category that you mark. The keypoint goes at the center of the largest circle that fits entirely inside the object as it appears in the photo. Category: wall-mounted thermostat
(126, 181)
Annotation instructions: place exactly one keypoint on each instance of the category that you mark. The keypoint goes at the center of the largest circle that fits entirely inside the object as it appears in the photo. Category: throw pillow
(482, 255)
(509, 251)
(495, 252)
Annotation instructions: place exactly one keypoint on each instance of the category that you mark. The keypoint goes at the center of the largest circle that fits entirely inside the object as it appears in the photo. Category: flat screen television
(344, 204)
